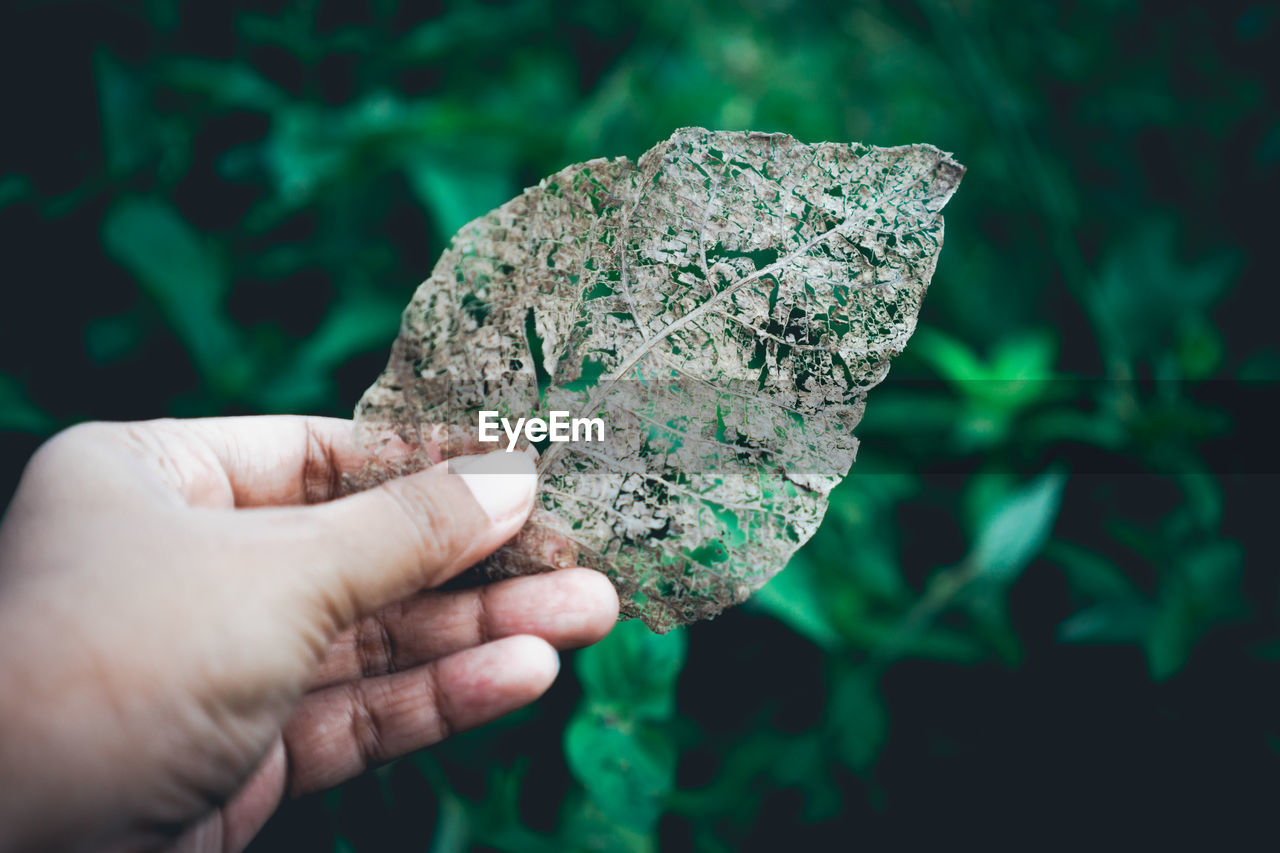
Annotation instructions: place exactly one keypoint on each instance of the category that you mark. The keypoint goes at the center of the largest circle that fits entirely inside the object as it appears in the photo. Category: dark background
(1042, 610)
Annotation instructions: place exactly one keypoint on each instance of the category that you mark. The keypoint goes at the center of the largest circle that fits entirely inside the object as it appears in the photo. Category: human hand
(194, 628)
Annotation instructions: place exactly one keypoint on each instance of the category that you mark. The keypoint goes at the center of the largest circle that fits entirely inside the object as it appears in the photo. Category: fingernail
(501, 482)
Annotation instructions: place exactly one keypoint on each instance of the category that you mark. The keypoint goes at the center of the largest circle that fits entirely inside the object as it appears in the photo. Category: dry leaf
(723, 306)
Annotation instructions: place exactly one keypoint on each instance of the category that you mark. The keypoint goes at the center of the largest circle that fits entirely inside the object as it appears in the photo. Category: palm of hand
(204, 631)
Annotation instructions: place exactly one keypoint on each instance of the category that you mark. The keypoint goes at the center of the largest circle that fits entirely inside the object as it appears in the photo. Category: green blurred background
(1044, 607)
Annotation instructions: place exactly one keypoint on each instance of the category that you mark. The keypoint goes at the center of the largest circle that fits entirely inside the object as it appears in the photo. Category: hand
(193, 628)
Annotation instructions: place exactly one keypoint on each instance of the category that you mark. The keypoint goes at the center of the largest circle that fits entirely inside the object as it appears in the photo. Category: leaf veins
(724, 304)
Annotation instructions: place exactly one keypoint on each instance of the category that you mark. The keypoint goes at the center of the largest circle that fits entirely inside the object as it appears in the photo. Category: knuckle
(446, 719)
(321, 474)
(375, 648)
(432, 532)
(365, 726)
(483, 615)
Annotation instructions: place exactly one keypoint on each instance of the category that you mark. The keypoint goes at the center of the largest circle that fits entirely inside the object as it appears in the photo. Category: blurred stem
(942, 590)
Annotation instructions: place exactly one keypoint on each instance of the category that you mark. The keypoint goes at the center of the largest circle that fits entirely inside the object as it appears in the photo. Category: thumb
(375, 547)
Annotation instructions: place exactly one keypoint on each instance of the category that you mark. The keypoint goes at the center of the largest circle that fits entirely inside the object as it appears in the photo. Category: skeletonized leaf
(723, 305)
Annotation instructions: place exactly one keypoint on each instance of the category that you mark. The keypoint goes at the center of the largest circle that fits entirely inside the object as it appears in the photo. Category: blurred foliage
(1046, 600)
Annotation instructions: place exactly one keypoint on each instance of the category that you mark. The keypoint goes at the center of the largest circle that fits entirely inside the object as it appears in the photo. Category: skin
(195, 626)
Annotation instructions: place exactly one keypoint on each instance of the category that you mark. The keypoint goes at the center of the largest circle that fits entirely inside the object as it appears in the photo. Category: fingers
(232, 827)
(365, 551)
(339, 731)
(213, 462)
(567, 608)
(254, 803)
(281, 460)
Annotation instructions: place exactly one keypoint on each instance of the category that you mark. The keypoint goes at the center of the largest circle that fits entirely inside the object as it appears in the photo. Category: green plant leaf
(183, 275)
(18, 413)
(354, 325)
(126, 123)
(1017, 529)
(627, 766)
(857, 716)
(950, 357)
(988, 608)
(634, 670)
(617, 743)
(1146, 295)
(1115, 621)
(457, 192)
(586, 827)
(13, 189)
(231, 84)
(795, 598)
(1172, 633)
(1090, 573)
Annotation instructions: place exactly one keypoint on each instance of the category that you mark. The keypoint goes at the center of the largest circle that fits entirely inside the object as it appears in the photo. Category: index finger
(284, 460)
(281, 460)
